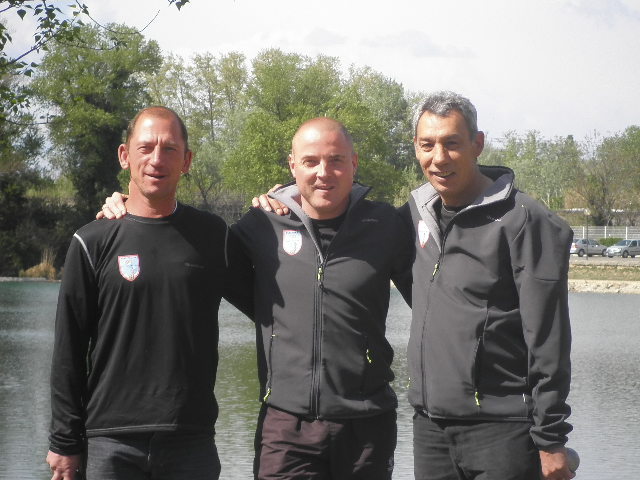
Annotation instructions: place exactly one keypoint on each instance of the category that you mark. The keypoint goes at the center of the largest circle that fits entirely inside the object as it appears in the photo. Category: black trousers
(290, 447)
(158, 456)
(461, 450)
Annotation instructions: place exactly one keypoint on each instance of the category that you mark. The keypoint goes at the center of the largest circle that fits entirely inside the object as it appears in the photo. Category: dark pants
(460, 450)
(294, 448)
(158, 455)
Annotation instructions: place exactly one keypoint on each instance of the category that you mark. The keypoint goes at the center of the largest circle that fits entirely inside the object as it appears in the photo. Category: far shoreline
(577, 286)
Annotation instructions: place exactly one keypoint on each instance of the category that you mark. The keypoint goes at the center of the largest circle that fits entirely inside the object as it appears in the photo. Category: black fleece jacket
(321, 320)
(490, 337)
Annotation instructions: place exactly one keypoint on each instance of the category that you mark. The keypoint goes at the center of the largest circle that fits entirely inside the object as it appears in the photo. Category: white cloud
(557, 66)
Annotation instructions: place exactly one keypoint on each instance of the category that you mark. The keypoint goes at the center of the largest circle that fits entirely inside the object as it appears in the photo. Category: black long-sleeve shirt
(136, 331)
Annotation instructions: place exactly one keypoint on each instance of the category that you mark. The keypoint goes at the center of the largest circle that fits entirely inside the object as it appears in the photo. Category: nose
(156, 155)
(439, 154)
(322, 169)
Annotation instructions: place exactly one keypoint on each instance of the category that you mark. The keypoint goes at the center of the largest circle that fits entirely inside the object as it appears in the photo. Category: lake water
(605, 388)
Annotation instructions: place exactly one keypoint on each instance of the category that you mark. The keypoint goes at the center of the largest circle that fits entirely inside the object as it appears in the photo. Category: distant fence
(595, 232)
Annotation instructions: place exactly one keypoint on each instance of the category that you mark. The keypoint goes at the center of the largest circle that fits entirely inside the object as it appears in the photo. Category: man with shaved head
(322, 277)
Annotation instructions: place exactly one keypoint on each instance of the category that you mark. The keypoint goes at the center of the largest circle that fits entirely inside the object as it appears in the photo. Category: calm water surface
(605, 389)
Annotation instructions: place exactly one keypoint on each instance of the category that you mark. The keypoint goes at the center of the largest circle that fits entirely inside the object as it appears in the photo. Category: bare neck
(151, 208)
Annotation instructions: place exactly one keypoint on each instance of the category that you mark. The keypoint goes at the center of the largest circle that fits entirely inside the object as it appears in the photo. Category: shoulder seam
(86, 251)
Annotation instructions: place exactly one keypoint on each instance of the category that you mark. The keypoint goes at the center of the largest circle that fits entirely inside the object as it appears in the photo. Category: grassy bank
(604, 272)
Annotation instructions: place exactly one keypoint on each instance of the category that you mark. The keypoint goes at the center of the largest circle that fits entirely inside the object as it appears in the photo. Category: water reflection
(606, 331)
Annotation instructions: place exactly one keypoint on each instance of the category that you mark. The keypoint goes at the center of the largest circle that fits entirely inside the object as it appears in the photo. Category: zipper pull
(435, 270)
(477, 397)
(320, 275)
(368, 356)
(264, 399)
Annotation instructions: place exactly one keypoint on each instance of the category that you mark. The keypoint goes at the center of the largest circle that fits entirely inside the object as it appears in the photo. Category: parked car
(582, 246)
(624, 248)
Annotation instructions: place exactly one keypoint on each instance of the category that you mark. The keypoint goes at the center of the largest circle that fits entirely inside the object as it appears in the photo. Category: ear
(188, 158)
(354, 162)
(415, 145)
(292, 165)
(123, 156)
(478, 143)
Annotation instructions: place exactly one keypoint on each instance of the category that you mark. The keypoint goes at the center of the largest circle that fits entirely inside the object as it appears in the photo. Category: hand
(63, 467)
(113, 207)
(554, 464)
(270, 204)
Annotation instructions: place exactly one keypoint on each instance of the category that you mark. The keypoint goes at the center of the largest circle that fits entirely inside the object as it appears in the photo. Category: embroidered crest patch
(423, 233)
(291, 241)
(129, 266)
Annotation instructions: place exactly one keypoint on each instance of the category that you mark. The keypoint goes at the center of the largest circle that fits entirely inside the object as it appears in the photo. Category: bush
(607, 242)
(44, 269)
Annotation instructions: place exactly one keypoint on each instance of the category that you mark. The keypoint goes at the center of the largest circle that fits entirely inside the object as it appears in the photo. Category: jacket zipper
(316, 354)
(269, 366)
(436, 269)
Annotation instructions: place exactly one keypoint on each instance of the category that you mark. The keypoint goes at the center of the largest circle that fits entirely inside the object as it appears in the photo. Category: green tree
(617, 194)
(546, 169)
(53, 21)
(210, 93)
(284, 90)
(93, 88)
(287, 89)
(600, 180)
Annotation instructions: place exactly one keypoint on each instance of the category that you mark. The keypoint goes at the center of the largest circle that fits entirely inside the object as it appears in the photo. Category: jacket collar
(290, 196)
(425, 196)
(503, 178)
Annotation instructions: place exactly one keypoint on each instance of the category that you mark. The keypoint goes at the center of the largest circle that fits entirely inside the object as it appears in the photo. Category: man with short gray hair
(490, 337)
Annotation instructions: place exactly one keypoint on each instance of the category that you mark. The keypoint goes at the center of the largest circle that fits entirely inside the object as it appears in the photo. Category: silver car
(624, 248)
(582, 246)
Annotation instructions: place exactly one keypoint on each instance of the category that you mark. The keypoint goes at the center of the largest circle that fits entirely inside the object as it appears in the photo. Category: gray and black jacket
(490, 337)
(320, 320)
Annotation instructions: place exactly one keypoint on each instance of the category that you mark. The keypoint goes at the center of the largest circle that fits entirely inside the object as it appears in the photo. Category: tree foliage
(610, 182)
(544, 168)
(92, 88)
(59, 21)
(287, 89)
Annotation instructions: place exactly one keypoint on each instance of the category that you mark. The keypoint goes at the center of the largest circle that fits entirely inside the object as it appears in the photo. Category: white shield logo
(423, 233)
(291, 241)
(129, 266)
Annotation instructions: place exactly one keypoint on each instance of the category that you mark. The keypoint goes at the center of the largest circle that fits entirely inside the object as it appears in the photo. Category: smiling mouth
(442, 174)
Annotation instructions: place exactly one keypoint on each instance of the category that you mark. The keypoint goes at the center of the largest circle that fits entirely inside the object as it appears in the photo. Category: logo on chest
(129, 266)
(423, 233)
(291, 241)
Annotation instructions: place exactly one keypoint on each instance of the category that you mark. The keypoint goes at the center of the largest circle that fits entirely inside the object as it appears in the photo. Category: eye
(309, 162)
(426, 146)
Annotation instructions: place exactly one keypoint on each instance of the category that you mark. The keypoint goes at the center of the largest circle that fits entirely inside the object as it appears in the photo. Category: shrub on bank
(607, 242)
(44, 269)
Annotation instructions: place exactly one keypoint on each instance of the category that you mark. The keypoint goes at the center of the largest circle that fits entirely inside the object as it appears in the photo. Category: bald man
(322, 277)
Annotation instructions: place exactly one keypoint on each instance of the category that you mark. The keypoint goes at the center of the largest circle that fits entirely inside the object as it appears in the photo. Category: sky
(561, 67)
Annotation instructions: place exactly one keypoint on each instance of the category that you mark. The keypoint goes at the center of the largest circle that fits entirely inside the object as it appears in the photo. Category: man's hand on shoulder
(555, 464)
(114, 207)
(269, 204)
(63, 467)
